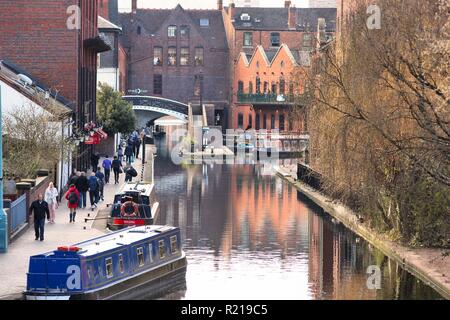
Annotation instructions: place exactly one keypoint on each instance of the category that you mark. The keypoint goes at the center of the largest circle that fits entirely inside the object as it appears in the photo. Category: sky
(125, 5)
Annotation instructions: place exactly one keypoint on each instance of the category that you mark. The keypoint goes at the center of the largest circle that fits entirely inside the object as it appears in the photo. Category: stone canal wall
(432, 266)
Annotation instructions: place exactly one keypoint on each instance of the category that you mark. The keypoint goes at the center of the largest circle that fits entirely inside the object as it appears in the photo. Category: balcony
(269, 98)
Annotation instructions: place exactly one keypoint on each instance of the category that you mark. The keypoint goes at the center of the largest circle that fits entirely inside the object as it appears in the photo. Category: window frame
(202, 50)
(188, 56)
(204, 25)
(250, 34)
(188, 31)
(121, 264)
(161, 56)
(240, 120)
(155, 77)
(150, 251)
(163, 247)
(169, 56)
(272, 35)
(173, 28)
(140, 252)
(174, 239)
(109, 272)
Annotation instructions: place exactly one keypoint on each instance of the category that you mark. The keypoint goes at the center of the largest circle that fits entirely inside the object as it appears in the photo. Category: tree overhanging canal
(250, 235)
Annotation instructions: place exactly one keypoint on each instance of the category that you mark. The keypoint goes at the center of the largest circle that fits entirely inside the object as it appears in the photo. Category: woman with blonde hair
(51, 197)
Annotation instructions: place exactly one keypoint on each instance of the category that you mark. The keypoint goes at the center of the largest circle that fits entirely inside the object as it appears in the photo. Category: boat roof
(145, 188)
(121, 238)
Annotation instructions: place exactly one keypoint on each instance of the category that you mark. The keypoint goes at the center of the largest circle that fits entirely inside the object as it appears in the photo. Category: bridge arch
(148, 108)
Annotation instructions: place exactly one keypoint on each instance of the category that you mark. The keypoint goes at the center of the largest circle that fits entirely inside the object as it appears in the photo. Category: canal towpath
(14, 263)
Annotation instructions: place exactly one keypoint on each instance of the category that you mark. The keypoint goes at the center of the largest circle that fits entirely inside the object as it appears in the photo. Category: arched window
(258, 85)
(282, 86)
(241, 86)
(172, 31)
(250, 87)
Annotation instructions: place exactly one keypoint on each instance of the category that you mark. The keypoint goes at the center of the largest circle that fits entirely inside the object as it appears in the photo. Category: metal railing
(266, 98)
(18, 214)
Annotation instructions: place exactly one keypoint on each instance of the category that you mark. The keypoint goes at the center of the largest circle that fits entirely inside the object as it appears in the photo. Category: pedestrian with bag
(129, 153)
(40, 209)
(107, 167)
(93, 190)
(101, 181)
(82, 185)
(130, 173)
(51, 197)
(73, 197)
(117, 168)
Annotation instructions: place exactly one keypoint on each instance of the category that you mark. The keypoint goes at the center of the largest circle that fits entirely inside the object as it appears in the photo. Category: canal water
(250, 235)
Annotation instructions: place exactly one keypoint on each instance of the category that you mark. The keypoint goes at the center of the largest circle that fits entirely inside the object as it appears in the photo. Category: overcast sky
(125, 5)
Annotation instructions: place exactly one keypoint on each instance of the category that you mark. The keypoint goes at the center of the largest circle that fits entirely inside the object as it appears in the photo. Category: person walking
(101, 183)
(94, 161)
(137, 147)
(51, 197)
(130, 173)
(93, 190)
(73, 197)
(82, 186)
(107, 167)
(120, 153)
(129, 153)
(73, 177)
(40, 209)
(117, 168)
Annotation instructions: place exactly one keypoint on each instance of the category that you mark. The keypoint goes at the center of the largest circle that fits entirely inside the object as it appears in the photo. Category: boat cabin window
(109, 268)
(121, 268)
(173, 244)
(150, 252)
(162, 250)
(140, 255)
(89, 273)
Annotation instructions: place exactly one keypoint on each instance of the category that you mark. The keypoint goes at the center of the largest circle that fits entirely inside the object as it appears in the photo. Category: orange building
(269, 83)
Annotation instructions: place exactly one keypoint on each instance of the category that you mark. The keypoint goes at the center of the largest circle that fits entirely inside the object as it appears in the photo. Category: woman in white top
(51, 197)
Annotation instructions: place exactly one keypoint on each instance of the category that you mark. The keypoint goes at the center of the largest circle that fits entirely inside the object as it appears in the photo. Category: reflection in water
(249, 235)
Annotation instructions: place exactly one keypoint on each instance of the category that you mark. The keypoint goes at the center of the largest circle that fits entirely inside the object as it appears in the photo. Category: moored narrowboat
(124, 264)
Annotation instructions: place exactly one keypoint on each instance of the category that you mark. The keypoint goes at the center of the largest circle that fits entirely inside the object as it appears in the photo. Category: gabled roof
(151, 21)
(270, 55)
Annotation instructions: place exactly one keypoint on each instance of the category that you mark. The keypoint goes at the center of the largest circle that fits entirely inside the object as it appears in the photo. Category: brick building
(44, 38)
(169, 52)
(273, 35)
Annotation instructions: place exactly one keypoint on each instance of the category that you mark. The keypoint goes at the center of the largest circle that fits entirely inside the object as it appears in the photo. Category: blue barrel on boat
(3, 231)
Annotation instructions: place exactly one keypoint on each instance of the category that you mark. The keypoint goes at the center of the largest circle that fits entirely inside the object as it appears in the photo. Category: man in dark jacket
(130, 173)
(93, 190)
(82, 186)
(40, 208)
(101, 182)
(73, 177)
(94, 161)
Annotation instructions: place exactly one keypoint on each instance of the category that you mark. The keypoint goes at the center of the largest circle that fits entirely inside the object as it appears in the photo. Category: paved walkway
(14, 263)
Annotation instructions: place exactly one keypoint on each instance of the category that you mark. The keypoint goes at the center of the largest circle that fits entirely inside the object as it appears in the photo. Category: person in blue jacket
(93, 190)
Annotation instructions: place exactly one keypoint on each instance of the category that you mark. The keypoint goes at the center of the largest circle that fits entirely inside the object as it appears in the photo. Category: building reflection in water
(250, 235)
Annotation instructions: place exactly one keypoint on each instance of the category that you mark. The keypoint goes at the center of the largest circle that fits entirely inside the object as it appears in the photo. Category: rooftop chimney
(292, 17)
(219, 5)
(287, 4)
(134, 6)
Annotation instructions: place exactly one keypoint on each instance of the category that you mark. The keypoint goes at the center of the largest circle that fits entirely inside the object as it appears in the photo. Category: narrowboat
(126, 264)
(134, 205)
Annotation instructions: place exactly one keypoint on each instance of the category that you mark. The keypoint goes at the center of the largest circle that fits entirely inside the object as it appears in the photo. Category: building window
(157, 56)
(250, 87)
(162, 250)
(282, 64)
(266, 87)
(257, 120)
(240, 120)
(121, 267)
(265, 121)
(172, 56)
(307, 40)
(240, 87)
(184, 32)
(291, 89)
(258, 85)
(272, 121)
(198, 56)
(139, 30)
(248, 39)
(109, 268)
(250, 121)
(282, 86)
(281, 122)
(275, 39)
(150, 252)
(274, 87)
(291, 124)
(140, 256)
(173, 245)
(204, 22)
(184, 57)
(172, 31)
(257, 64)
(157, 84)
